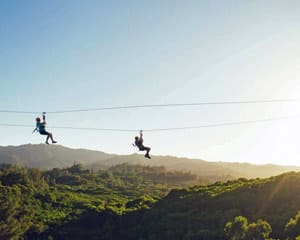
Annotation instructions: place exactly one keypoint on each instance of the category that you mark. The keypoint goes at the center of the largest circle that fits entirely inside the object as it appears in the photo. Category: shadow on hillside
(94, 225)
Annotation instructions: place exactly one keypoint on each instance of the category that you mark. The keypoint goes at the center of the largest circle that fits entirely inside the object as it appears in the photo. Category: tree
(16, 213)
(76, 168)
(258, 231)
(240, 230)
(292, 228)
(236, 230)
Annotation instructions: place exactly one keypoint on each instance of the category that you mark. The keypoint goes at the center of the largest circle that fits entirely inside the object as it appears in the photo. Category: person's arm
(141, 140)
(44, 118)
(36, 128)
(141, 135)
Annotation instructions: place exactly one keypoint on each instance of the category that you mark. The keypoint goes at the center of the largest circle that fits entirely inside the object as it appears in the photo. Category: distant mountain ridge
(49, 156)
(55, 156)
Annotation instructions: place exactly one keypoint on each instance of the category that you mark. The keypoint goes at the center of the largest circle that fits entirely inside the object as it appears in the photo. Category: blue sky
(57, 55)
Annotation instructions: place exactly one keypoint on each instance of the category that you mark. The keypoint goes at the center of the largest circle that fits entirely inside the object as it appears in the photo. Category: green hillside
(36, 204)
(138, 202)
(202, 212)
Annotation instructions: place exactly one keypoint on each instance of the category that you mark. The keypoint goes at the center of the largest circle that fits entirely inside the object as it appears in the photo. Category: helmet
(38, 119)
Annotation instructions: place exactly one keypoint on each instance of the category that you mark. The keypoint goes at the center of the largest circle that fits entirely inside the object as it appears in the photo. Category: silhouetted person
(41, 128)
(139, 143)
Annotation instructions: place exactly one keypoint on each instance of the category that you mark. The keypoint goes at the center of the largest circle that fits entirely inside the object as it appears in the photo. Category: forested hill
(55, 156)
(202, 212)
(241, 209)
(137, 202)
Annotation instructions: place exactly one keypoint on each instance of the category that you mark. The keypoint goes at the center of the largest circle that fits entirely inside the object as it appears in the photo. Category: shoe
(46, 142)
(54, 142)
(147, 156)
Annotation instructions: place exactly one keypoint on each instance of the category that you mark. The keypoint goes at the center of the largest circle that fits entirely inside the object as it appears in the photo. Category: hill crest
(56, 156)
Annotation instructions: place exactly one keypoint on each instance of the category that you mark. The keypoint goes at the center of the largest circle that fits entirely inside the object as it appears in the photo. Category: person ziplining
(41, 128)
(139, 144)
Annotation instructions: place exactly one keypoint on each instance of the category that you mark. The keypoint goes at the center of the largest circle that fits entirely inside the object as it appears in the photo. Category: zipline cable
(174, 105)
(21, 112)
(70, 128)
(155, 106)
(223, 124)
(162, 129)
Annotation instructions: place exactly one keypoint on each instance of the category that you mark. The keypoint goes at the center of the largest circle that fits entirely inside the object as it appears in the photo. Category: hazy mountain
(199, 167)
(51, 156)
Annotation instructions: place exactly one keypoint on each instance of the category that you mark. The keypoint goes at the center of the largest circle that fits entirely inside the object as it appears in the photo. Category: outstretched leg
(47, 139)
(51, 137)
(147, 153)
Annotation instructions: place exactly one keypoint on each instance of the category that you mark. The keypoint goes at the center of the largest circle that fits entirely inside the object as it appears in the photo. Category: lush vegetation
(138, 202)
(35, 204)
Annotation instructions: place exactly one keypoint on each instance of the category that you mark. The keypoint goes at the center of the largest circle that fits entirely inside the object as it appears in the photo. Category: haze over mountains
(55, 156)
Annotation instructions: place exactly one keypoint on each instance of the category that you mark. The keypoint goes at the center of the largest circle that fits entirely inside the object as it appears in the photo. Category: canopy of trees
(138, 202)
